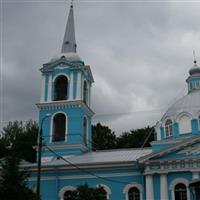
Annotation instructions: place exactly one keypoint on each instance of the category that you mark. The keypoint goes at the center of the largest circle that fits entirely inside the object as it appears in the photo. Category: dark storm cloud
(139, 53)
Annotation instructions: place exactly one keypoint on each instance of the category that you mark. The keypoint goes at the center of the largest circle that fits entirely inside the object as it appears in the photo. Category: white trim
(78, 87)
(71, 87)
(163, 187)
(149, 187)
(183, 114)
(51, 125)
(73, 177)
(177, 181)
(129, 186)
(49, 88)
(61, 74)
(182, 124)
(42, 97)
(106, 188)
(64, 189)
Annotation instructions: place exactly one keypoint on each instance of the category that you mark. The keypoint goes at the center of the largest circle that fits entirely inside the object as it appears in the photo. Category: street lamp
(39, 155)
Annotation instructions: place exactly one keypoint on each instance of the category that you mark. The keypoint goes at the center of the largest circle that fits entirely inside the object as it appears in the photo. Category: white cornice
(51, 105)
(87, 176)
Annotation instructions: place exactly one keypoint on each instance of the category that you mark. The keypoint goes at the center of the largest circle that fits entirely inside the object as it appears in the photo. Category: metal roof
(101, 157)
(190, 104)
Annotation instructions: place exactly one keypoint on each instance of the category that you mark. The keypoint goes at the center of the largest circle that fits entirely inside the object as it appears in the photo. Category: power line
(83, 170)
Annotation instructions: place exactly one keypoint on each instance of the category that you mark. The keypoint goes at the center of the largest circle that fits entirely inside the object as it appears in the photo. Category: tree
(84, 192)
(13, 182)
(136, 138)
(19, 138)
(103, 137)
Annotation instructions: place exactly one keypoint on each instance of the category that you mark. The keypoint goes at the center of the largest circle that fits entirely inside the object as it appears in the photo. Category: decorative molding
(75, 177)
(129, 186)
(55, 105)
(175, 182)
(179, 165)
(51, 125)
(64, 189)
(106, 188)
(168, 150)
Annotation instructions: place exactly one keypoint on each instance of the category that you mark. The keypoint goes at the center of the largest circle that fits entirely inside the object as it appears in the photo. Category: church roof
(189, 103)
(100, 157)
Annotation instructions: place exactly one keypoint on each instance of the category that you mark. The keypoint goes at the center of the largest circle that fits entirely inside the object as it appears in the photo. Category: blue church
(169, 170)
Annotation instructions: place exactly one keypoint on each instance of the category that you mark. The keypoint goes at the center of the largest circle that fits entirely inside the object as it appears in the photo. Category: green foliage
(103, 137)
(13, 182)
(136, 138)
(84, 192)
(19, 138)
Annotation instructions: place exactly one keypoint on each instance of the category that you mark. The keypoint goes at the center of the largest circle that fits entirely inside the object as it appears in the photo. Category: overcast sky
(139, 52)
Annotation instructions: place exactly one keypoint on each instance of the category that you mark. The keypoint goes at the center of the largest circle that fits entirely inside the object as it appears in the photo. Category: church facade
(169, 170)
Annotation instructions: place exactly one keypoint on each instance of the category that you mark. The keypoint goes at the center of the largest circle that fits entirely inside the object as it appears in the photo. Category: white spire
(69, 42)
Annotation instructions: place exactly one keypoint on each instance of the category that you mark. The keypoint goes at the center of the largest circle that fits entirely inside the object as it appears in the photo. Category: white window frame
(107, 189)
(168, 127)
(177, 181)
(129, 186)
(51, 126)
(65, 189)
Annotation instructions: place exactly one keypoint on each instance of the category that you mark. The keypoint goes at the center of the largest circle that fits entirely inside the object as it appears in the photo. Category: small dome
(190, 103)
(195, 70)
(71, 57)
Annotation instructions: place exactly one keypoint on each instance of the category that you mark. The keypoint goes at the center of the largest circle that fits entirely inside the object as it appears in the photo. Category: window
(61, 88)
(185, 124)
(133, 194)
(106, 190)
(59, 127)
(180, 192)
(168, 128)
(67, 195)
(85, 92)
(85, 130)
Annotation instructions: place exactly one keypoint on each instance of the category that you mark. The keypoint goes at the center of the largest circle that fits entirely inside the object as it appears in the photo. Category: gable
(188, 152)
(186, 149)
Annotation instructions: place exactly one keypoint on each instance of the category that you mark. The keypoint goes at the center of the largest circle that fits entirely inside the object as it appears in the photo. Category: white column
(195, 175)
(42, 97)
(78, 88)
(49, 88)
(163, 187)
(71, 88)
(149, 187)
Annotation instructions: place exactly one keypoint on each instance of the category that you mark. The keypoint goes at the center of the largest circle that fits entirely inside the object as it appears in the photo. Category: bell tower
(64, 108)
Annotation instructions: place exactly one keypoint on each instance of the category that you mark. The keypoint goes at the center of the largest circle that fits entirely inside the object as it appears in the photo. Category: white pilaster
(78, 88)
(49, 88)
(71, 88)
(42, 97)
(149, 187)
(195, 175)
(163, 187)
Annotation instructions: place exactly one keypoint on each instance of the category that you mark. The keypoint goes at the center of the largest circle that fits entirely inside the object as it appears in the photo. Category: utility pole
(39, 155)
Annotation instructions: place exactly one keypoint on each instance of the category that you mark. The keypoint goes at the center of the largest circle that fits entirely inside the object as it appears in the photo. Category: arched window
(85, 130)
(105, 190)
(133, 194)
(85, 92)
(59, 127)
(68, 195)
(185, 124)
(168, 128)
(61, 88)
(180, 192)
